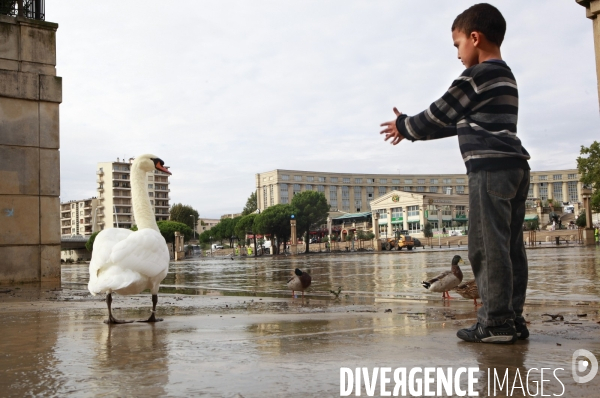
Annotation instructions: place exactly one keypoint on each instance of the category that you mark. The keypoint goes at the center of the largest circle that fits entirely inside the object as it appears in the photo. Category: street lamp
(194, 228)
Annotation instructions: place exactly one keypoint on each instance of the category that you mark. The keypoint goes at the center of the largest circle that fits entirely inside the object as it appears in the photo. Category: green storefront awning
(531, 217)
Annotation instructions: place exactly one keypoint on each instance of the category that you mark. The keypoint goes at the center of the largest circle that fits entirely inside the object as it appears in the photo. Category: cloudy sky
(222, 90)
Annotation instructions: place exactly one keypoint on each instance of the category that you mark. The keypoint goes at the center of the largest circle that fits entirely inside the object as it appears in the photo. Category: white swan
(128, 262)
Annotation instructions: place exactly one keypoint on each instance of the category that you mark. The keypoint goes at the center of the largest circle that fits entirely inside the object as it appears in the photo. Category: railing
(32, 9)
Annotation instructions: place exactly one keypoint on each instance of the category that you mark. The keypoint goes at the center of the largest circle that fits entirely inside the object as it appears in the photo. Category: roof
(354, 215)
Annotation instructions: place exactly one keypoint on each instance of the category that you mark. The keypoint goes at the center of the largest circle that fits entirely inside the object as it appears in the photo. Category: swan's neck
(142, 210)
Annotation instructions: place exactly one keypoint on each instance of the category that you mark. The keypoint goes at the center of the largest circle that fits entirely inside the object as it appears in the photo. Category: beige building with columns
(30, 94)
(354, 192)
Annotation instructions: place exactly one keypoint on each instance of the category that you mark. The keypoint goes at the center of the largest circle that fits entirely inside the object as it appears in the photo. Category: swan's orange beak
(162, 168)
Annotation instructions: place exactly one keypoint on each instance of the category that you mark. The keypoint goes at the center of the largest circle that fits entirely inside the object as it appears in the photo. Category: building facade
(204, 224)
(114, 194)
(77, 217)
(354, 192)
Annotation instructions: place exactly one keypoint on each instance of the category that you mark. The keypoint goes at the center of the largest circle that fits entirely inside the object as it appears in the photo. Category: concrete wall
(30, 94)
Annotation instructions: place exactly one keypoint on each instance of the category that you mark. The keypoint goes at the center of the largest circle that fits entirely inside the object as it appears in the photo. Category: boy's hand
(391, 131)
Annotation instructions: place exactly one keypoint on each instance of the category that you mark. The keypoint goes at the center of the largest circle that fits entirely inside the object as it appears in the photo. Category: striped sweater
(481, 107)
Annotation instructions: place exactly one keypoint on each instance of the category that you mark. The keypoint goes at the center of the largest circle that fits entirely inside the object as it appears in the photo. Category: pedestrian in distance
(481, 108)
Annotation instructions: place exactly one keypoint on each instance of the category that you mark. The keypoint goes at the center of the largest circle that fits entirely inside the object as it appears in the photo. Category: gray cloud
(222, 90)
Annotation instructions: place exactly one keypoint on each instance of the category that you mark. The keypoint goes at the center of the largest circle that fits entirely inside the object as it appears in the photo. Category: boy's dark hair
(483, 18)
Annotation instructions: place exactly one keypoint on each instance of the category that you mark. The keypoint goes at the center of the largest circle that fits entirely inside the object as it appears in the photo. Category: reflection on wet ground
(554, 274)
(238, 333)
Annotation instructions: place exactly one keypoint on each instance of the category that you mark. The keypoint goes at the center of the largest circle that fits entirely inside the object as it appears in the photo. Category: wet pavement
(231, 329)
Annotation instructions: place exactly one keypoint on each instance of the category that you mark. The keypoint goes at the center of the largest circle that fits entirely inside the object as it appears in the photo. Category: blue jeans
(496, 248)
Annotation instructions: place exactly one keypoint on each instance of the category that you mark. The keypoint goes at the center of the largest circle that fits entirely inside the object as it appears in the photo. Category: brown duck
(301, 281)
(468, 290)
(447, 280)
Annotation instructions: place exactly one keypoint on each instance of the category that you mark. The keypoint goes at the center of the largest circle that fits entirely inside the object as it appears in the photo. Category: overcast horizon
(224, 90)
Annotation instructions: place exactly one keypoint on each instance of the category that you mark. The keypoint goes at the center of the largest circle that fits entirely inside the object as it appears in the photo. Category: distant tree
(311, 211)
(275, 221)
(581, 221)
(246, 226)
(168, 228)
(251, 205)
(183, 214)
(227, 229)
(589, 168)
(89, 245)
(428, 230)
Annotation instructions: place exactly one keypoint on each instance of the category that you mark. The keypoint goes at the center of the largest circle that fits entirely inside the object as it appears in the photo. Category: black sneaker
(503, 334)
(521, 327)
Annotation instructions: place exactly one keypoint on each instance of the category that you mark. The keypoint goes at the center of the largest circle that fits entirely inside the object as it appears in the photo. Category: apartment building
(77, 217)
(204, 224)
(354, 192)
(114, 194)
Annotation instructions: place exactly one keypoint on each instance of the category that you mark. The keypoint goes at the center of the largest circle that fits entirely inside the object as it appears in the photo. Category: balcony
(100, 188)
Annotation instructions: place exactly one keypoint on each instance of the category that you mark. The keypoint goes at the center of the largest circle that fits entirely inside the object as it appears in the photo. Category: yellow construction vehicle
(401, 239)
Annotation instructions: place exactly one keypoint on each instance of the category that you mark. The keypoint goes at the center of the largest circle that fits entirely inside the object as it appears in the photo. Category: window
(310, 179)
(357, 192)
(412, 211)
(151, 202)
(433, 181)
(346, 180)
(408, 181)
(320, 188)
(370, 194)
(357, 204)
(396, 212)
(285, 177)
(346, 204)
(150, 178)
(358, 180)
(446, 210)
(543, 178)
(420, 189)
(283, 190)
(395, 188)
(460, 180)
(572, 176)
(447, 190)
(421, 181)
(333, 192)
(309, 187)
(383, 180)
(297, 178)
(461, 211)
(264, 197)
(572, 191)
(557, 192)
(406, 189)
(557, 177)
(543, 191)
(150, 186)
(460, 189)
(322, 179)
(382, 191)
(333, 203)
(297, 189)
(396, 181)
(447, 181)
(433, 189)
(382, 213)
(334, 179)
(370, 180)
(345, 193)
(530, 193)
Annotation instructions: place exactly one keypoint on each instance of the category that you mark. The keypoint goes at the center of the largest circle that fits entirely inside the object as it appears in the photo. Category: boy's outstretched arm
(391, 131)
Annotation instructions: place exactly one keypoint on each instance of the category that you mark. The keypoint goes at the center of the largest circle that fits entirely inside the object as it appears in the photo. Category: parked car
(216, 247)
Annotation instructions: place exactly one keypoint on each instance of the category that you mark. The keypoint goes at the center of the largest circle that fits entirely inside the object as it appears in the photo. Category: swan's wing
(103, 247)
(144, 251)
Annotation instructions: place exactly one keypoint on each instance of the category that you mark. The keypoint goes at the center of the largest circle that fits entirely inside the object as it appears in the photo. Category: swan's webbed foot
(112, 321)
(152, 319)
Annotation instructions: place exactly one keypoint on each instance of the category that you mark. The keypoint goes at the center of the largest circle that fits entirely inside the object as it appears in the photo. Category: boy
(481, 107)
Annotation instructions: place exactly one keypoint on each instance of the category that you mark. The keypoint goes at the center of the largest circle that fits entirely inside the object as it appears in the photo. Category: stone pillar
(30, 94)
(404, 218)
(293, 238)
(550, 189)
(390, 233)
(565, 192)
(179, 252)
(592, 9)
(588, 232)
(536, 190)
(422, 216)
(376, 240)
